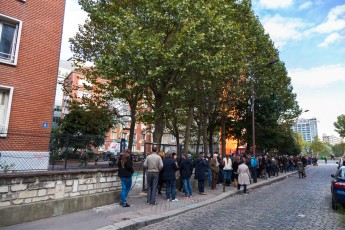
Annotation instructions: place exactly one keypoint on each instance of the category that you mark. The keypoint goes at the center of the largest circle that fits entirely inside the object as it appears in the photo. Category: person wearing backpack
(254, 168)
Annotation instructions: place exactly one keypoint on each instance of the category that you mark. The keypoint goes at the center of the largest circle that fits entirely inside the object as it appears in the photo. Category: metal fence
(32, 151)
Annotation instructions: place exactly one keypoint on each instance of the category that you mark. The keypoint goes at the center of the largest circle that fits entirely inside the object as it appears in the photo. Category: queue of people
(175, 173)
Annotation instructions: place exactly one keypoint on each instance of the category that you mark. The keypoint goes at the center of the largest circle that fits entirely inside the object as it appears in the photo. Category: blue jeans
(171, 189)
(126, 183)
(209, 178)
(228, 174)
(187, 186)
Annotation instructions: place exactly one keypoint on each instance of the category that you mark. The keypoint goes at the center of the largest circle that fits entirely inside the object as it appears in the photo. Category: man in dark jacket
(201, 168)
(186, 170)
(169, 177)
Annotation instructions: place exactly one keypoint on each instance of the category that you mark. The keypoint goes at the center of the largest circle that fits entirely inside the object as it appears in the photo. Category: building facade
(331, 139)
(30, 40)
(65, 68)
(306, 127)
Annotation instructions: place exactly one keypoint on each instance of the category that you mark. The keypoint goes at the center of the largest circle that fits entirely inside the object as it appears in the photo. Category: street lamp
(252, 106)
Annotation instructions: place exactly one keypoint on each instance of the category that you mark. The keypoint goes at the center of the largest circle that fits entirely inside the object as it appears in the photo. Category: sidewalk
(141, 214)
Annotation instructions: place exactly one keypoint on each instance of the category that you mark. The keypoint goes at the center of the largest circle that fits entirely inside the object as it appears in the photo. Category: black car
(338, 188)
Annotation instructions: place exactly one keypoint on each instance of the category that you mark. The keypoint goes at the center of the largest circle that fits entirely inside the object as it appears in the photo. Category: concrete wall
(32, 196)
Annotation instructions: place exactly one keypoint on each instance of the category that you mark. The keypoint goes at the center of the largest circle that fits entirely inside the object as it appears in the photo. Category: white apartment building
(306, 127)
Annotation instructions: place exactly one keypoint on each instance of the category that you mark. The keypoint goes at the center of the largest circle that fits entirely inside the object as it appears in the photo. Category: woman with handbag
(243, 176)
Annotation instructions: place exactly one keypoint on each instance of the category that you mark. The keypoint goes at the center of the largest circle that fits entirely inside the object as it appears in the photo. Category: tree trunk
(159, 120)
(188, 126)
(132, 127)
(210, 139)
(204, 135)
(198, 139)
(223, 139)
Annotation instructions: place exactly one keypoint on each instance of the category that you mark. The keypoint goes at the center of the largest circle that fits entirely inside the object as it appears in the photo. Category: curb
(140, 222)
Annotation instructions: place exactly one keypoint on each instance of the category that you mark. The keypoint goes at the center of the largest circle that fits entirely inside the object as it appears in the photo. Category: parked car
(338, 188)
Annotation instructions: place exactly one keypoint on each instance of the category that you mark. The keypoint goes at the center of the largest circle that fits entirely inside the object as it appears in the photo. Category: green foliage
(340, 125)
(175, 55)
(317, 146)
(339, 149)
(85, 125)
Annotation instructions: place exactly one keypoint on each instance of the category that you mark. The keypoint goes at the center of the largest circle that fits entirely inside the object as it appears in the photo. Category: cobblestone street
(289, 204)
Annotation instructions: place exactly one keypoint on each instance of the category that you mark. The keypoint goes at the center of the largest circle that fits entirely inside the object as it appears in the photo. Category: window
(134, 136)
(6, 94)
(81, 94)
(10, 30)
(83, 81)
(173, 138)
(144, 137)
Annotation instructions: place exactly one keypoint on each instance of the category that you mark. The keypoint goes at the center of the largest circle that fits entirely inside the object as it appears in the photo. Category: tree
(327, 151)
(85, 125)
(339, 149)
(159, 46)
(317, 146)
(340, 125)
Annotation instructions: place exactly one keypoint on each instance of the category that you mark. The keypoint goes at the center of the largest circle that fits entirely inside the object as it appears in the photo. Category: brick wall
(34, 76)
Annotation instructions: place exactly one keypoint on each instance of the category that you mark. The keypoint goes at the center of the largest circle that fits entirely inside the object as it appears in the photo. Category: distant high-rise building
(331, 139)
(306, 127)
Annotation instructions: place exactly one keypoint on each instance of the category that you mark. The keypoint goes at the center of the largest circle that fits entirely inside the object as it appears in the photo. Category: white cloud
(282, 29)
(335, 21)
(320, 90)
(306, 5)
(275, 4)
(317, 77)
(332, 38)
(74, 16)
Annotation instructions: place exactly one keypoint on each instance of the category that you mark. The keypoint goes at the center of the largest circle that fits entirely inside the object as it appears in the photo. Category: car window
(341, 173)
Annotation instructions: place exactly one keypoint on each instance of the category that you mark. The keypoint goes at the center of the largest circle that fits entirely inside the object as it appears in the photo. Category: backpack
(253, 162)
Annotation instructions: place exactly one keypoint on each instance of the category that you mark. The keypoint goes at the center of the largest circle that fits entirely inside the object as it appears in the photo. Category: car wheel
(335, 205)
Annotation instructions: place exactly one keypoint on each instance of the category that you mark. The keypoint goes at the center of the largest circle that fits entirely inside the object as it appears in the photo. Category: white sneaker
(175, 200)
(168, 200)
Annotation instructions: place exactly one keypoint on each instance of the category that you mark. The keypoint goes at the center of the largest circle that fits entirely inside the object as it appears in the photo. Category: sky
(310, 37)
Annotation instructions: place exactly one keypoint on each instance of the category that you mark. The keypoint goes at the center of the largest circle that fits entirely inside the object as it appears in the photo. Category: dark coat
(127, 170)
(200, 168)
(169, 169)
(186, 168)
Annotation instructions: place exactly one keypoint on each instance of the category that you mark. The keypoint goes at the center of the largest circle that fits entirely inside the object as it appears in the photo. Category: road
(289, 204)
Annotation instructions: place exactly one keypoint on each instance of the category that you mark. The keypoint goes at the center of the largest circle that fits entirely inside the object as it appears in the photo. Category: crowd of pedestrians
(238, 170)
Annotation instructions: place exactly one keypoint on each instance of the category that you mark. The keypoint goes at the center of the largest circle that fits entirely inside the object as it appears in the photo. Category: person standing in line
(209, 171)
(227, 169)
(304, 161)
(201, 168)
(160, 178)
(125, 172)
(186, 173)
(234, 169)
(169, 176)
(220, 175)
(243, 176)
(153, 163)
(214, 166)
(254, 168)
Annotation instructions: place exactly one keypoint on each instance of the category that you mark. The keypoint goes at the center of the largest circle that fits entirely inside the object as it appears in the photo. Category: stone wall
(19, 192)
